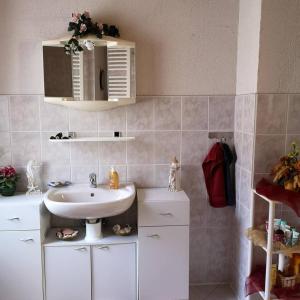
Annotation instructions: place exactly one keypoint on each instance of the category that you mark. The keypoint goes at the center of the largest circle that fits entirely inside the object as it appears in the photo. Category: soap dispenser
(113, 179)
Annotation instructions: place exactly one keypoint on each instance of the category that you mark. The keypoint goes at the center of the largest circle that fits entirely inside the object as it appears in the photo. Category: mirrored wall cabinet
(101, 78)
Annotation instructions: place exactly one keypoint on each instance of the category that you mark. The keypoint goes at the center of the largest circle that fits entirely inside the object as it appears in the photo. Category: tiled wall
(244, 134)
(163, 127)
(278, 126)
(265, 126)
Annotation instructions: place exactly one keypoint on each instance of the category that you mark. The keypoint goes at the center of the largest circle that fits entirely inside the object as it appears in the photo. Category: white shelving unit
(94, 139)
(268, 248)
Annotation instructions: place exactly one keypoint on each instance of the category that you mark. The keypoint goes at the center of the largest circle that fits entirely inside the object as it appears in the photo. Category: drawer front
(163, 213)
(19, 217)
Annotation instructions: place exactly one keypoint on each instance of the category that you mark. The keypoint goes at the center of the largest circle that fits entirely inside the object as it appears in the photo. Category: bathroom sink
(80, 201)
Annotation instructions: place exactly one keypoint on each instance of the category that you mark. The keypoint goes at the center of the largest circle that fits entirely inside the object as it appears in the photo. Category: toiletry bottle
(113, 179)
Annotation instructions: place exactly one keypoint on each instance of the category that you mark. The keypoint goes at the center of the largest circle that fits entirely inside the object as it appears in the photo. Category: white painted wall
(279, 61)
(183, 47)
(248, 46)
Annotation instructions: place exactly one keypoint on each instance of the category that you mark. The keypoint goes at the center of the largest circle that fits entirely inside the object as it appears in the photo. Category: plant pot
(8, 191)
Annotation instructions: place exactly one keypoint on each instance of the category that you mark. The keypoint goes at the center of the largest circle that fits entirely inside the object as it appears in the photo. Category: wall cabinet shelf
(94, 139)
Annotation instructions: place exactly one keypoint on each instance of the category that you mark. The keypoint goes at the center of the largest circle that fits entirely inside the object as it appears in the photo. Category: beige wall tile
(5, 149)
(113, 120)
(247, 148)
(84, 153)
(83, 120)
(167, 113)
(162, 175)
(166, 146)
(195, 113)
(25, 146)
(141, 150)
(268, 150)
(194, 147)
(113, 153)
(54, 117)
(249, 113)
(140, 116)
(80, 174)
(271, 113)
(54, 153)
(24, 113)
(141, 175)
(238, 113)
(293, 114)
(4, 116)
(221, 113)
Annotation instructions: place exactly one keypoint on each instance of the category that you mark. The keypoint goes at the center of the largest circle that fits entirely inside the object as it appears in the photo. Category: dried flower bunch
(82, 25)
(8, 177)
(287, 172)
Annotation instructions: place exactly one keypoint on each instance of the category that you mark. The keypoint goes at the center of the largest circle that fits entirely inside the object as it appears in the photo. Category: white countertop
(160, 194)
(21, 199)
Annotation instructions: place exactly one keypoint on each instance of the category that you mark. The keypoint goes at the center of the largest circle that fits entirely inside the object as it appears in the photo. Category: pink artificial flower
(8, 172)
(83, 28)
(86, 14)
(75, 17)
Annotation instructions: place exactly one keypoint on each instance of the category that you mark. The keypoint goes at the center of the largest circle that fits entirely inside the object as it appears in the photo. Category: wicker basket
(287, 282)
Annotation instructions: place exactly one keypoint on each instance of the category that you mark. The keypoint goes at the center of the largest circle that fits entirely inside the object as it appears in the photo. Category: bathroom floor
(211, 292)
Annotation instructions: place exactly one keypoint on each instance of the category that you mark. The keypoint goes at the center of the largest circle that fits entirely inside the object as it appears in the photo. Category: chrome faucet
(93, 180)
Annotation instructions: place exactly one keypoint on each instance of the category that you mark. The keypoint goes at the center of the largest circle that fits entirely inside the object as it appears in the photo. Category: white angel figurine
(174, 183)
(33, 177)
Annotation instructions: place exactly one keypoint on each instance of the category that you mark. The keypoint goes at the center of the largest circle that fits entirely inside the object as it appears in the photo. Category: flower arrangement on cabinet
(82, 25)
(8, 180)
(287, 172)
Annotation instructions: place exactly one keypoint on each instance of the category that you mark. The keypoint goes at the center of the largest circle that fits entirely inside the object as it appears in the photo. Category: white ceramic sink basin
(80, 201)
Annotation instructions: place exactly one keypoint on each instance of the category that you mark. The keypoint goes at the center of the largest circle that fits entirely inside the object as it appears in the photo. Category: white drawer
(19, 217)
(162, 213)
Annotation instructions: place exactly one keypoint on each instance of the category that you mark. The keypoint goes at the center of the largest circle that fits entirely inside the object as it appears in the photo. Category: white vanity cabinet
(114, 272)
(68, 273)
(163, 235)
(20, 251)
(77, 270)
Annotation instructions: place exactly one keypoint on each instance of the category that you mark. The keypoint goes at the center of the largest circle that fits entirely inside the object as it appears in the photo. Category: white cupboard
(105, 270)
(114, 272)
(68, 273)
(20, 265)
(163, 235)
(21, 272)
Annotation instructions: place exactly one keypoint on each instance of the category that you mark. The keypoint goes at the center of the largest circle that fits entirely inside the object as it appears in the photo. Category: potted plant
(8, 181)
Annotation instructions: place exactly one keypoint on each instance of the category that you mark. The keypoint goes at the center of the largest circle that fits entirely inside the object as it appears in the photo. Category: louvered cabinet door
(121, 74)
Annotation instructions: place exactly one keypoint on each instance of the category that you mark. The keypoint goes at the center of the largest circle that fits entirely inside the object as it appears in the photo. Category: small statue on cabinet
(32, 173)
(174, 183)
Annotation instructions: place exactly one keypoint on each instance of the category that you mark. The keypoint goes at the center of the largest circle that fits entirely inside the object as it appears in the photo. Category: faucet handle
(93, 180)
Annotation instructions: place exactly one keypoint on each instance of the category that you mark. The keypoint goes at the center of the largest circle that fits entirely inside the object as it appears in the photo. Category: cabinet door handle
(14, 219)
(81, 249)
(153, 236)
(103, 247)
(27, 240)
(166, 214)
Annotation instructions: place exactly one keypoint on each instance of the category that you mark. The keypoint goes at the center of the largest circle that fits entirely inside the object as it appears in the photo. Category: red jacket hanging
(213, 169)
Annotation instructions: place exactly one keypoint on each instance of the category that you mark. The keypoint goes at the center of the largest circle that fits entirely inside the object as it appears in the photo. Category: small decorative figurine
(174, 184)
(32, 171)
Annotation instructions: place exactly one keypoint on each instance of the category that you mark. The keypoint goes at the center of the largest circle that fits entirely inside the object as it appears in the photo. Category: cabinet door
(114, 272)
(163, 262)
(20, 265)
(68, 273)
